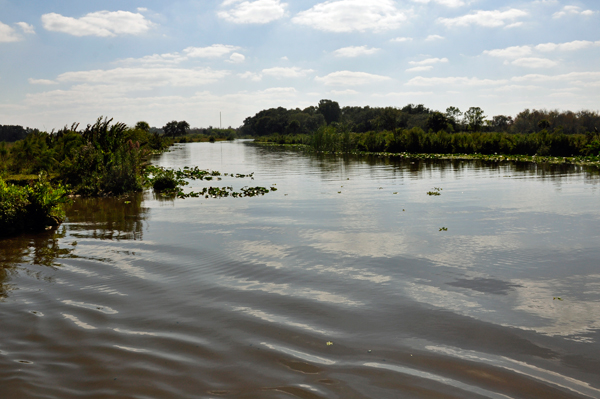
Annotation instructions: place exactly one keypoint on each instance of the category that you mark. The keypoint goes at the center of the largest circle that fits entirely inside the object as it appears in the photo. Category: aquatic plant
(33, 207)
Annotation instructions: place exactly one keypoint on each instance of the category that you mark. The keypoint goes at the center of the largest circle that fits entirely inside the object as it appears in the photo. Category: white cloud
(284, 58)
(42, 82)
(352, 15)
(255, 77)
(420, 68)
(142, 9)
(237, 58)
(343, 92)
(573, 77)
(514, 25)
(461, 81)
(8, 34)
(100, 23)
(401, 39)
(253, 12)
(355, 51)
(429, 61)
(488, 19)
(447, 3)
(433, 37)
(533, 62)
(572, 10)
(214, 51)
(144, 78)
(287, 72)
(348, 78)
(569, 46)
(510, 52)
(26, 28)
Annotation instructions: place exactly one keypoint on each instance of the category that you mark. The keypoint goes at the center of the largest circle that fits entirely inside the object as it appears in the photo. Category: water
(145, 297)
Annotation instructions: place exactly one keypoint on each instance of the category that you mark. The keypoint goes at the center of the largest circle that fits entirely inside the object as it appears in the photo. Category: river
(349, 281)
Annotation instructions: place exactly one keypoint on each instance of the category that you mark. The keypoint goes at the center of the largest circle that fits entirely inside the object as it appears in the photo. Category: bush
(32, 207)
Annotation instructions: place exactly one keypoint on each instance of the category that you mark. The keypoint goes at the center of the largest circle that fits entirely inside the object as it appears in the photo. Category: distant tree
(412, 109)
(388, 119)
(474, 118)
(437, 121)
(141, 125)
(330, 110)
(294, 126)
(543, 124)
(182, 128)
(170, 129)
(501, 122)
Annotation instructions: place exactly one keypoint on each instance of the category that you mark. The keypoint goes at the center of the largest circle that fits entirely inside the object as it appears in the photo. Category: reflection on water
(149, 297)
(120, 218)
(40, 249)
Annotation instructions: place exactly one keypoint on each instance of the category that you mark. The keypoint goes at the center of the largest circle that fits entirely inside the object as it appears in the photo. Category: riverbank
(593, 161)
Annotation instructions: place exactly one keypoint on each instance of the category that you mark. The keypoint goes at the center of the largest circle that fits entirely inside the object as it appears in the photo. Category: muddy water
(145, 297)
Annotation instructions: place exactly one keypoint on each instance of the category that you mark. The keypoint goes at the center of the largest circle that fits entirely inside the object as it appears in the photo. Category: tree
(474, 118)
(437, 121)
(170, 129)
(501, 122)
(182, 128)
(330, 110)
(544, 124)
(141, 125)
(388, 119)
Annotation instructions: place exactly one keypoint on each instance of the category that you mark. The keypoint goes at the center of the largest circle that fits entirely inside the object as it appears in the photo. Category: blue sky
(72, 61)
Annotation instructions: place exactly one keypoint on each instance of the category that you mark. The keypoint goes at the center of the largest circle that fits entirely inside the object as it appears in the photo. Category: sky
(219, 62)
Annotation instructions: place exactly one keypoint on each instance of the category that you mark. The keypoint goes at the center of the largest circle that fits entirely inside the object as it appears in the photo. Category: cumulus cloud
(349, 78)
(42, 82)
(352, 15)
(447, 3)
(533, 62)
(488, 19)
(214, 51)
(287, 72)
(455, 80)
(569, 46)
(572, 10)
(420, 68)
(253, 12)
(144, 78)
(100, 23)
(429, 61)
(584, 78)
(237, 58)
(401, 39)
(431, 38)
(9, 34)
(510, 52)
(26, 28)
(355, 51)
(255, 77)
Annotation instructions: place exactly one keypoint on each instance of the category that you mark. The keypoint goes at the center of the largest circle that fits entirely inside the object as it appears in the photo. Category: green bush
(32, 207)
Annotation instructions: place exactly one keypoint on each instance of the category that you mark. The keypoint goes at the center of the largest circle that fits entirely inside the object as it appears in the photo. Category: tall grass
(415, 140)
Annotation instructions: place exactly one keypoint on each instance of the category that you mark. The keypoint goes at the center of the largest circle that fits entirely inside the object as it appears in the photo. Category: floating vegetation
(557, 297)
(443, 229)
(170, 182)
(436, 191)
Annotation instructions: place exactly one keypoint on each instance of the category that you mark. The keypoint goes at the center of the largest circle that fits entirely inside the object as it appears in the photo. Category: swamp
(356, 276)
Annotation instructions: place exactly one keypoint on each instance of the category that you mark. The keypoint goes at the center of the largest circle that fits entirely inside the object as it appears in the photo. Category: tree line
(376, 119)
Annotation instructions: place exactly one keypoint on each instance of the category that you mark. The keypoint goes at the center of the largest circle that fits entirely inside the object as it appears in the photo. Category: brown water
(237, 298)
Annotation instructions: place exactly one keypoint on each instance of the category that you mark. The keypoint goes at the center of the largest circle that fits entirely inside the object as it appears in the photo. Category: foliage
(32, 207)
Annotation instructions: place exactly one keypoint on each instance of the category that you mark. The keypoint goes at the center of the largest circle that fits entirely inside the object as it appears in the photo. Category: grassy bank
(39, 172)
(553, 147)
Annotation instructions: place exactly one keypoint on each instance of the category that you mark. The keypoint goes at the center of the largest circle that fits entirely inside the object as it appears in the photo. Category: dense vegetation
(102, 159)
(418, 129)
(31, 207)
